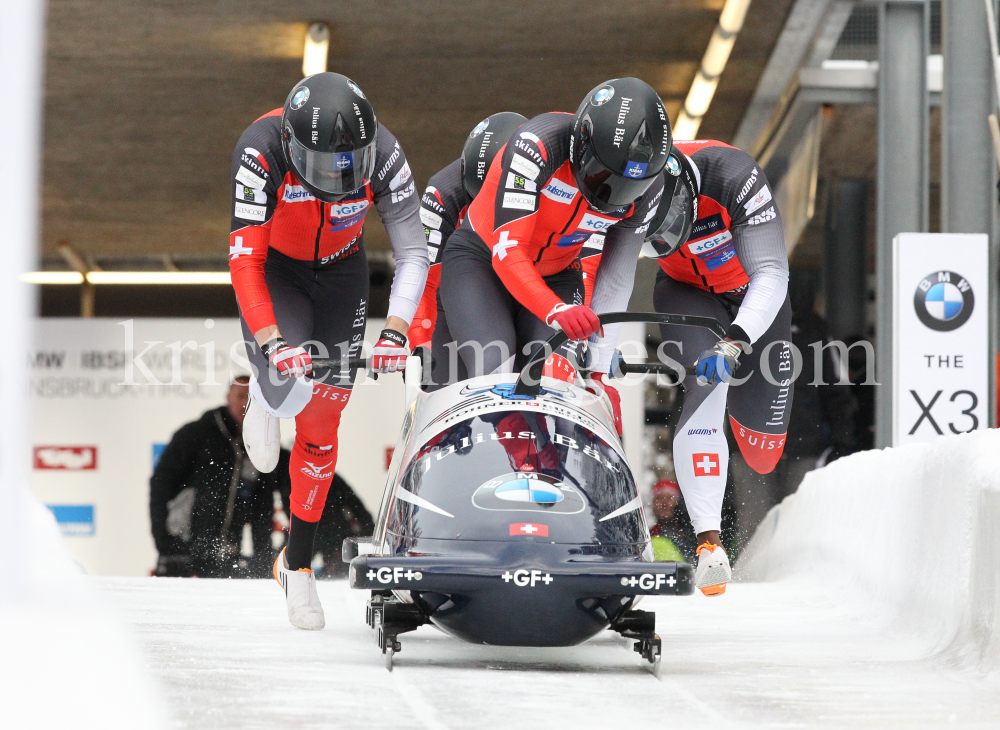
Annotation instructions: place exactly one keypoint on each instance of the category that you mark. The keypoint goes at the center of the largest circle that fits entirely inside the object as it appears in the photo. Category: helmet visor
(606, 190)
(337, 173)
(675, 229)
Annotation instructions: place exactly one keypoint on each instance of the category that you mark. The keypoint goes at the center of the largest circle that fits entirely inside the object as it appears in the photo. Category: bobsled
(511, 516)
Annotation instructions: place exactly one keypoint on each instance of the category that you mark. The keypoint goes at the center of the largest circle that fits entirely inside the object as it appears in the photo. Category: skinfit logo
(944, 301)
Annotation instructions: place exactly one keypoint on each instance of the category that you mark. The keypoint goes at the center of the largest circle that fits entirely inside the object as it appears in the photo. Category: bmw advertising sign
(940, 336)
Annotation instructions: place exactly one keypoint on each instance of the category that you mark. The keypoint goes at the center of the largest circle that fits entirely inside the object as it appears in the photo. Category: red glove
(292, 362)
(598, 387)
(577, 321)
(390, 352)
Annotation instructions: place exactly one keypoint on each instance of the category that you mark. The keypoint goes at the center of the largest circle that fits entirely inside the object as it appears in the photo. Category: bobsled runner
(511, 517)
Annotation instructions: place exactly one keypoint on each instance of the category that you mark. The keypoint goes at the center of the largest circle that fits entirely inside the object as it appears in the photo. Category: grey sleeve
(396, 201)
(760, 248)
(613, 283)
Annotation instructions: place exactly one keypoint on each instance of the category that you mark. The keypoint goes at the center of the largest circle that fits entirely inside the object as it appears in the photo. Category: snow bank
(913, 531)
(67, 662)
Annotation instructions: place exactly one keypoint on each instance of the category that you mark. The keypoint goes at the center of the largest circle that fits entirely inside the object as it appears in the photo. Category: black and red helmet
(620, 142)
(328, 132)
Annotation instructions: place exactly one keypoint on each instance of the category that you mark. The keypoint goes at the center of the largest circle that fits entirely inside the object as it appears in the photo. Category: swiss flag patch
(706, 465)
(529, 528)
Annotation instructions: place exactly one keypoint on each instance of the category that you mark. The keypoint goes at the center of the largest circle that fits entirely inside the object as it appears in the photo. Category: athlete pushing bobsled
(443, 207)
(304, 178)
(511, 268)
(721, 248)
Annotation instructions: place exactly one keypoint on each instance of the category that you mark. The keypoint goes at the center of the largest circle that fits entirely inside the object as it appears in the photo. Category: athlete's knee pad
(314, 456)
(701, 460)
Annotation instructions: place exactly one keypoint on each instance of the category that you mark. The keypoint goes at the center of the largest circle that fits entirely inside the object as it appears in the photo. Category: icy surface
(785, 654)
(912, 534)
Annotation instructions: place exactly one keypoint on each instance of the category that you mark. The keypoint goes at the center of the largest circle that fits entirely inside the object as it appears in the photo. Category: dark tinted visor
(333, 172)
(606, 190)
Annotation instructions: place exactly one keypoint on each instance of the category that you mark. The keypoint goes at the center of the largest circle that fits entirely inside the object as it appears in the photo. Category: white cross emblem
(546, 579)
(529, 529)
(239, 249)
(410, 575)
(706, 464)
(671, 581)
(506, 577)
(371, 575)
(500, 250)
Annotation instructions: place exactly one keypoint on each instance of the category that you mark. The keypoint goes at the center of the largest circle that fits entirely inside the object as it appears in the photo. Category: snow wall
(914, 532)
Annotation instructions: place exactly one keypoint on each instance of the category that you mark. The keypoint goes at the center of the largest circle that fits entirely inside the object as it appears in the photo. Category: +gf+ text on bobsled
(510, 515)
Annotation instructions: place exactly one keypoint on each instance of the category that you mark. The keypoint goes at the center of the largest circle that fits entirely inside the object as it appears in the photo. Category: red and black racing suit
(734, 268)
(514, 258)
(300, 263)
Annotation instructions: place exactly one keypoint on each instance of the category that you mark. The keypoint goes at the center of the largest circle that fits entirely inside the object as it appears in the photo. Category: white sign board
(940, 335)
(98, 418)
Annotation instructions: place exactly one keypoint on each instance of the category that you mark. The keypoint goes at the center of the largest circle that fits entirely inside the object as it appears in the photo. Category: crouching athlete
(721, 251)
(511, 269)
(304, 177)
(443, 207)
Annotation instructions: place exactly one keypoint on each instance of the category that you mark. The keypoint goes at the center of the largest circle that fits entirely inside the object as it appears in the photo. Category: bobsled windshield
(513, 475)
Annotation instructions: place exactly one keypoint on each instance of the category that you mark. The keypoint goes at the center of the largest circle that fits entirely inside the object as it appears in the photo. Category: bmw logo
(603, 95)
(528, 492)
(480, 128)
(300, 97)
(673, 166)
(354, 87)
(944, 301)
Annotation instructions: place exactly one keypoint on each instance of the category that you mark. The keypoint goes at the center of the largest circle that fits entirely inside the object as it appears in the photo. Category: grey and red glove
(292, 362)
(598, 387)
(390, 352)
(577, 321)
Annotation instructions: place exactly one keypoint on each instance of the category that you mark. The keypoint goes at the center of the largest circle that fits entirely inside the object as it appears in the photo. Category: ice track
(767, 655)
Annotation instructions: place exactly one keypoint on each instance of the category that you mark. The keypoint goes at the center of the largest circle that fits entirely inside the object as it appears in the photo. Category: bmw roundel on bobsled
(511, 517)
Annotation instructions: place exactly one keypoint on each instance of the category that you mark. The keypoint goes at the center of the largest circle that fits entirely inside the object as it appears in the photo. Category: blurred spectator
(204, 490)
(673, 538)
(822, 426)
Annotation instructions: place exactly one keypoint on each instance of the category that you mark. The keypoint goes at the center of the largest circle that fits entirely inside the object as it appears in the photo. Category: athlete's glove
(718, 364)
(577, 321)
(290, 361)
(389, 353)
(598, 387)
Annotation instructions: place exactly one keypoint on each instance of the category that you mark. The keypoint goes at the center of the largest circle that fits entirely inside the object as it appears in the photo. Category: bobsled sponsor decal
(648, 581)
(393, 575)
(528, 492)
(74, 520)
(506, 390)
(524, 578)
(345, 215)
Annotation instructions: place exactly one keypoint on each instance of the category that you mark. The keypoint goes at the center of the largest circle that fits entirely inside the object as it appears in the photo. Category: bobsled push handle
(335, 364)
(529, 382)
